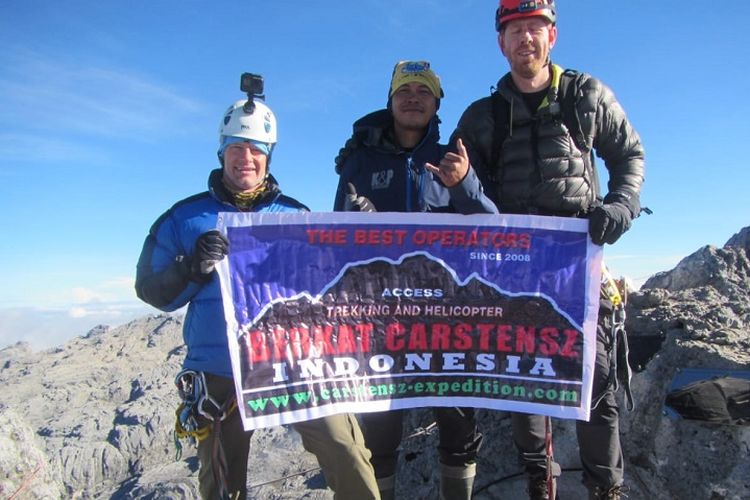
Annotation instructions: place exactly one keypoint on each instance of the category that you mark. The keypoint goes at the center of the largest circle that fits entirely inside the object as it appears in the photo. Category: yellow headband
(415, 71)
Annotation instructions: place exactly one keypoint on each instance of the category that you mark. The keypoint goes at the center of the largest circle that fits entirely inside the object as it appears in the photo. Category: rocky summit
(94, 418)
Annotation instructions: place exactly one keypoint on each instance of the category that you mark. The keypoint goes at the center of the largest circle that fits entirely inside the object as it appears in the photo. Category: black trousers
(459, 437)
(598, 439)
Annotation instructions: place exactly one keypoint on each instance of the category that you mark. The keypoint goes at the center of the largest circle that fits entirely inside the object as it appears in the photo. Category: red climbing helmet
(516, 9)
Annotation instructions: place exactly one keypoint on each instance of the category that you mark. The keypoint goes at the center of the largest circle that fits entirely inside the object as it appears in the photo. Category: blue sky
(110, 111)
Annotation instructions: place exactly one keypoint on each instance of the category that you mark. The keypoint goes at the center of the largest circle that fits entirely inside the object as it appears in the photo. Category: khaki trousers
(336, 441)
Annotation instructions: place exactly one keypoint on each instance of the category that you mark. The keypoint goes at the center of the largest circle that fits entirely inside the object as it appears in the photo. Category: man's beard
(529, 69)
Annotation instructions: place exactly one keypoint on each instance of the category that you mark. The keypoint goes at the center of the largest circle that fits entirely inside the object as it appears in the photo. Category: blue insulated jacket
(395, 180)
(163, 273)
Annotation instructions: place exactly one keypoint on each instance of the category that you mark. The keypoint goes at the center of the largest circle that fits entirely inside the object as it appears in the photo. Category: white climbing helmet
(260, 125)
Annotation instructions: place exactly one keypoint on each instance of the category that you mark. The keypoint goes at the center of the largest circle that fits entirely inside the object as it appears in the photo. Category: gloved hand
(351, 145)
(210, 248)
(354, 203)
(608, 222)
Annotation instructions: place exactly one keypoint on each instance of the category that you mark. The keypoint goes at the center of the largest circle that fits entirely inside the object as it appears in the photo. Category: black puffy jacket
(542, 167)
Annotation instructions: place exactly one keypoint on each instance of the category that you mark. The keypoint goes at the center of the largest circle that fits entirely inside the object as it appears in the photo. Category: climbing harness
(191, 388)
(616, 292)
(197, 402)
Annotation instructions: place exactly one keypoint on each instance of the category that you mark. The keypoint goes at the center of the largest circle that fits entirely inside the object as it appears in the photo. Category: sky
(109, 113)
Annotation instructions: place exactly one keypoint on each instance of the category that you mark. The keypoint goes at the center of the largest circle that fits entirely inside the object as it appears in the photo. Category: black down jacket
(541, 162)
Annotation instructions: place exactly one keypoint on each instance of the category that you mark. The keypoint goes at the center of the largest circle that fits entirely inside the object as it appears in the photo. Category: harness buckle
(193, 391)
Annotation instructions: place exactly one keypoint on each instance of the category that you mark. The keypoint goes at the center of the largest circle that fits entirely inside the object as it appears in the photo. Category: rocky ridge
(93, 418)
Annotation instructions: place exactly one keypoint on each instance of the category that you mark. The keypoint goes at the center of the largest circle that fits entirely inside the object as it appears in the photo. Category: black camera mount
(252, 85)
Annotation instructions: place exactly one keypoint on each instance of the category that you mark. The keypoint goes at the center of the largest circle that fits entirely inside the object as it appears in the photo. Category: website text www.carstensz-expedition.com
(398, 390)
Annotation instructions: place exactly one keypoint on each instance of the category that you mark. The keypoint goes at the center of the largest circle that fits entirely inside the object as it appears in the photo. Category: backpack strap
(500, 115)
(569, 84)
(562, 101)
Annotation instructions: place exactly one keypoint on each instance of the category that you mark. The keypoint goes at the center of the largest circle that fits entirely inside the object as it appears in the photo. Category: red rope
(551, 493)
(27, 481)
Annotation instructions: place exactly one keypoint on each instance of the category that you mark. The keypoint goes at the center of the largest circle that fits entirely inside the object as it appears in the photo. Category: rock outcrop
(701, 313)
(94, 418)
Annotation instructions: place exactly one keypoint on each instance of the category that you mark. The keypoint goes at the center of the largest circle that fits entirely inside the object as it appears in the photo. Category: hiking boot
(457, 482)
(616, 492)
(387, 487)
(537, 488)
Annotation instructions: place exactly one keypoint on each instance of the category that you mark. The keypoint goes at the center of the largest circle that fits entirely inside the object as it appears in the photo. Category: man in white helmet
(176, 268)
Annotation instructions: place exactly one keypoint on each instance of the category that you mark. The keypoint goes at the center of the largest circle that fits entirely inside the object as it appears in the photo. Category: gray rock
(98, 412)
(25, 470)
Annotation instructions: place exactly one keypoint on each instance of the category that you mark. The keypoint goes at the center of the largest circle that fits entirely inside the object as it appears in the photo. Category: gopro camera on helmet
(252, 85)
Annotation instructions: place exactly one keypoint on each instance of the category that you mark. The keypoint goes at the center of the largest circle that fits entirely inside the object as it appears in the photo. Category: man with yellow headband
(532, 144)
(384, 167)
(384, 160)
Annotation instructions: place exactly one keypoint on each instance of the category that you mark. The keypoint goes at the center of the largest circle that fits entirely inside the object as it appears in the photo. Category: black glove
(608, 222)
(354, 203)
(351, 145)
(210, 248)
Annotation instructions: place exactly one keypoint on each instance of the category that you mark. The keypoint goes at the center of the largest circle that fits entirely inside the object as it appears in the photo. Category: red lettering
(322, 336)
(373, 236)
(394, 334)
(418, 337)
(441, 335)
(258, 347)
(503, 338)
(329, 236)
(295, 343)
(460, 238)
(568, 350)
(485, 330)
(304, 341)
(463, 337)
(279, 343)
(346, 343)
(364, 330)
(524, 240)
(525, 339)
(549, 345)
(446, 238)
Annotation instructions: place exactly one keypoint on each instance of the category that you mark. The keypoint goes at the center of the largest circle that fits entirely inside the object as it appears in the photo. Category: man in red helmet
(531, 142)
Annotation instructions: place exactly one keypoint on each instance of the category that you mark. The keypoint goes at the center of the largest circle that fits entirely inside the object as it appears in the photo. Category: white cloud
(77, 312)
(44, 328)
(116, 290)
(85, 295)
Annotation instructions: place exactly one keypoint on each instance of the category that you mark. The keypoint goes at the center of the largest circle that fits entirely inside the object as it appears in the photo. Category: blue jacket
(163, 273)
(394, 179)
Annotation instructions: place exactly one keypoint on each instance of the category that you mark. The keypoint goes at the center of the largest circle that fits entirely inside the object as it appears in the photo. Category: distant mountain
(93, 418)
